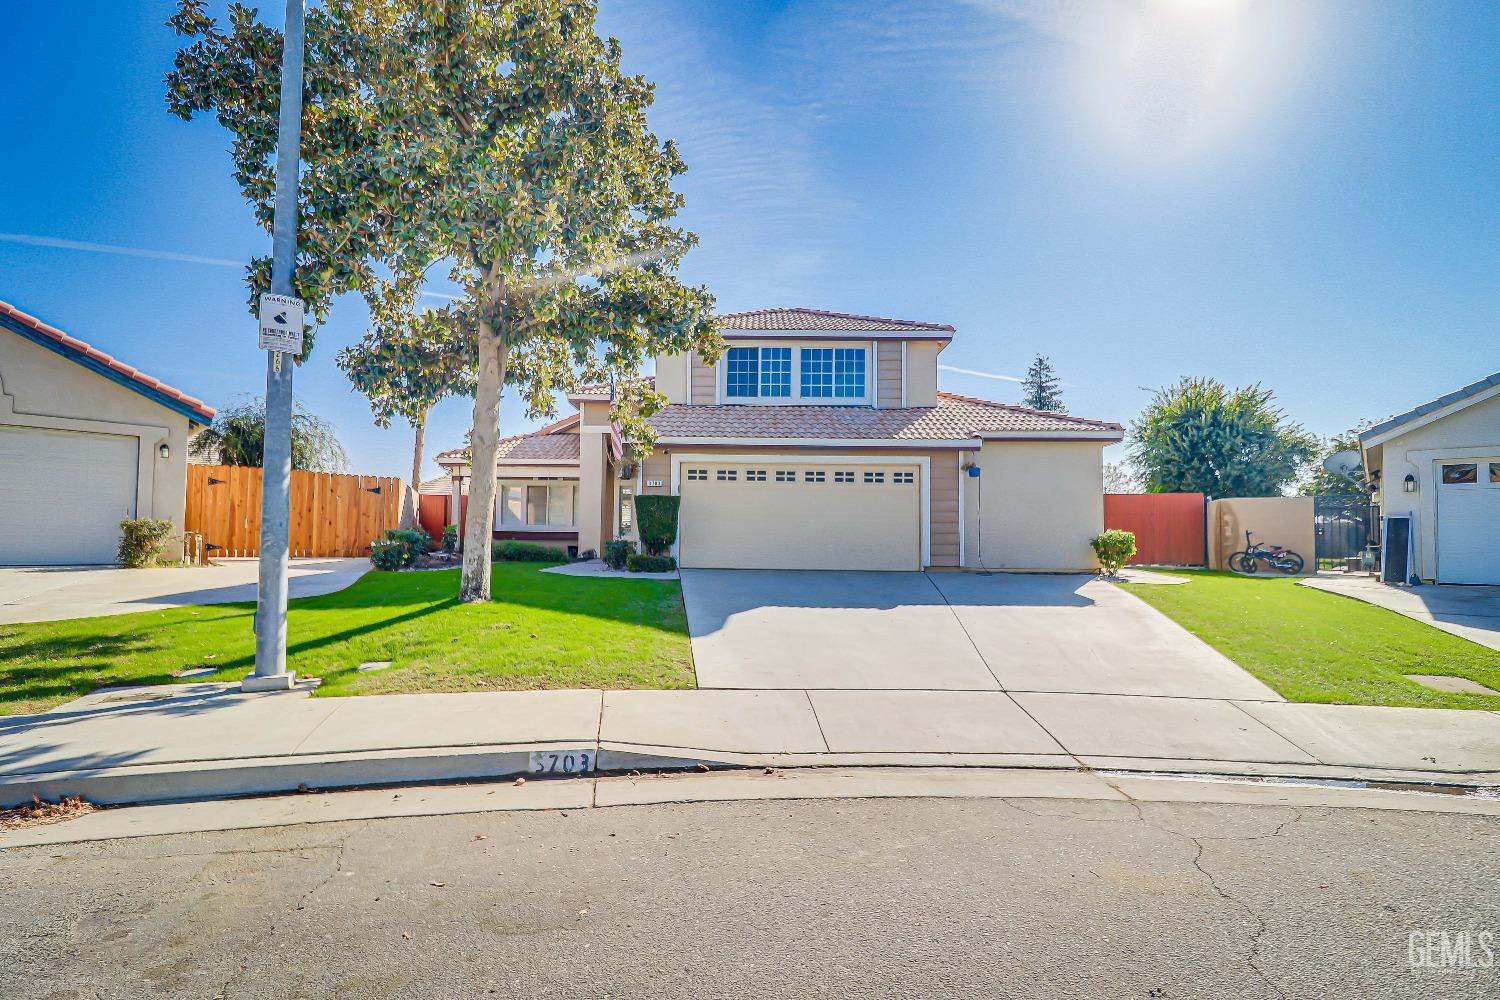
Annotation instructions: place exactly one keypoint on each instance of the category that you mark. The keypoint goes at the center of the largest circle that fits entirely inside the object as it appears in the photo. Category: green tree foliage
(499, 137)
(1042, 389)
(408, 360)
(238, 437)
(1200, 436)
(1319, 482)
(656, 521)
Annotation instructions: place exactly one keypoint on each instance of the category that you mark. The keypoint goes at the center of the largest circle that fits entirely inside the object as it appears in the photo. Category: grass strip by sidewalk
(542, 630)
(1310, 645)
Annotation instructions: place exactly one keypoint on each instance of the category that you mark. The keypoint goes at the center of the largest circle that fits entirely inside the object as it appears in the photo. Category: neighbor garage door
(798, 515)
(63, 495)
(1468, 521)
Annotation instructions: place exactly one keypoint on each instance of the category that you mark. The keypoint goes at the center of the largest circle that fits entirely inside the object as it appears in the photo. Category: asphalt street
(830, 898)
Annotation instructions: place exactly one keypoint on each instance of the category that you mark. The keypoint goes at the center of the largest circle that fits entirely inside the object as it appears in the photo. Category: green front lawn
(1314, 646)
(542, 630)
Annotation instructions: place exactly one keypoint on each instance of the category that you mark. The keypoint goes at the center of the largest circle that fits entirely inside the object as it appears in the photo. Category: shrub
(398, 547)
(142, 540)
(450, 538)
(617, 551)
(640, 563)
(513, 551)
(1114, 549)
(656, 521)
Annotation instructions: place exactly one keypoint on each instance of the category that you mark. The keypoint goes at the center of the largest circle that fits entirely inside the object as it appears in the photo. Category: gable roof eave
(70, 348)
(1431, 412)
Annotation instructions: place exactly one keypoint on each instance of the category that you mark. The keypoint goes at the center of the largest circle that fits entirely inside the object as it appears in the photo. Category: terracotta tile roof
(602, 388)
(821, 319)
(91, 357)
(524, 448)
(955, 418)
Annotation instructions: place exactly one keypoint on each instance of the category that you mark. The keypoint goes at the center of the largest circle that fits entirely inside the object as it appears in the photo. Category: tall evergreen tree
(1042, 389)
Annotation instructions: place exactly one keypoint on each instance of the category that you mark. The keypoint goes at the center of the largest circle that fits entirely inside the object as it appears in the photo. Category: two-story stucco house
(820, 440)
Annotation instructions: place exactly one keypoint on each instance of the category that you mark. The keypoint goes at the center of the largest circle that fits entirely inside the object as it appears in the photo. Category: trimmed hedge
(1114, 549)
(514, 551)
(656, 522)
(142, 540)
(617, 551)
(398, 548)
(641, 563)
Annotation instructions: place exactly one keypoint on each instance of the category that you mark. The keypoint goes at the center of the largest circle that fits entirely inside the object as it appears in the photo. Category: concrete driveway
(54, 593)
(945, 631)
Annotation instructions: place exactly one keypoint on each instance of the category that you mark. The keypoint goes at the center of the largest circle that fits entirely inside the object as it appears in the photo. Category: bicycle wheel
(1242, 562)
(1289, 563)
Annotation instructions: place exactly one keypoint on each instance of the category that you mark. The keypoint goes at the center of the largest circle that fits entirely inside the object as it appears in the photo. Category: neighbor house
(819, 440)
(1439, 466)
(86, 441)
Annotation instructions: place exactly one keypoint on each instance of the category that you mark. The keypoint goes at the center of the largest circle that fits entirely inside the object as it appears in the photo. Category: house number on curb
(562, 761)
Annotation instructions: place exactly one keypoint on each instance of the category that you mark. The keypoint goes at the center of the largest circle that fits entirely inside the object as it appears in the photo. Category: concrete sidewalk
(188, 742)
(1471, 613)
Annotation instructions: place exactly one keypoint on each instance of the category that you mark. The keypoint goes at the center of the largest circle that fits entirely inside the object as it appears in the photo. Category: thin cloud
(969, 371)
(57, 244)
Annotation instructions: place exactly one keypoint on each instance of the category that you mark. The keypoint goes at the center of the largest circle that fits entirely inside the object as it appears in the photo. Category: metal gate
(1345, 526)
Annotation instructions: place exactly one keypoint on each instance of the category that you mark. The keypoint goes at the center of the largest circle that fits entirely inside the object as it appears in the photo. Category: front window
(833, 372)
(758, 371)
(536, 505)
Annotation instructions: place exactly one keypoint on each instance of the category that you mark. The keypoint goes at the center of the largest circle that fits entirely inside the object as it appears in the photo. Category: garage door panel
(63, 495)
(803, 516)
(1468, 515)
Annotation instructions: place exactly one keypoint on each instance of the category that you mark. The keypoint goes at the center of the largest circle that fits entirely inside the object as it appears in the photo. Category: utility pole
(281, 322)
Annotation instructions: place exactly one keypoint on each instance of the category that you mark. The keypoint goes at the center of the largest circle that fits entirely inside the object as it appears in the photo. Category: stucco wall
(1284, 521)
(1470, 433)
(921, 372)
(1034, 505)
(672, 376)
(39, 388)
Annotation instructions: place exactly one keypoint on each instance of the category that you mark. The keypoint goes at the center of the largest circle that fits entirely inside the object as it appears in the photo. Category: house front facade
(86, 441)
(1437, 468)
(819, 440)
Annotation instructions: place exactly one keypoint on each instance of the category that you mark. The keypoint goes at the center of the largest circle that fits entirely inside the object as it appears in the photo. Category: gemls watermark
(1447, 949)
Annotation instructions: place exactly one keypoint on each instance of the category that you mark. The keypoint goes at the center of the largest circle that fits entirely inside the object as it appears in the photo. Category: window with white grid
(874, 477)
(755, 475)
(903, 478)
(843, 477)
(814, 476)
(697, 475)
(786, 476)
(726, 475)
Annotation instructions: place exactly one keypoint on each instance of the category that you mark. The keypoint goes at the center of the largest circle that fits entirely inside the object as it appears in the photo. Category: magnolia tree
(501, 138)
(408, 360)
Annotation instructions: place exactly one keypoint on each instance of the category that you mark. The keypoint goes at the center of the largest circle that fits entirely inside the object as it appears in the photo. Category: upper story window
(833, 372)
(758, 371)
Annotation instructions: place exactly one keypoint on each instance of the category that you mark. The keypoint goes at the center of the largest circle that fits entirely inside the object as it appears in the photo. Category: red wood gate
(1169, 527)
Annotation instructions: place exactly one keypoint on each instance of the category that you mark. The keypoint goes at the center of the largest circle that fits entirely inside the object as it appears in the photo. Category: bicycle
(1281, 559)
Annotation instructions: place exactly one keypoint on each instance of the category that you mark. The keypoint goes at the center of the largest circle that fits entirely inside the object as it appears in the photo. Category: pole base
(271, 682)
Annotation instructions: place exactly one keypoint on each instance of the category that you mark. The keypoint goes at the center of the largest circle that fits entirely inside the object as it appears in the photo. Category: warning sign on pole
(281, 323)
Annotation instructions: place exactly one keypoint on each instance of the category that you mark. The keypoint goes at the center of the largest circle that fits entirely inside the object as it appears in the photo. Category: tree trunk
(484, 440)
(416, 457)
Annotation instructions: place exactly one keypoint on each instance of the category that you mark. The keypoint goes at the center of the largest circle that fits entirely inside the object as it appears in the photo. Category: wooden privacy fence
(1170, 528)
(332, 514)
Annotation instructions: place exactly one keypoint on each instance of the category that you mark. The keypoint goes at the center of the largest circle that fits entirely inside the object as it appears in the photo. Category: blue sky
(1302, 194)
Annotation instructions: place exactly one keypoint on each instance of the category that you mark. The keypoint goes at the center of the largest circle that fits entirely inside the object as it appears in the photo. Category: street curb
(223, 779)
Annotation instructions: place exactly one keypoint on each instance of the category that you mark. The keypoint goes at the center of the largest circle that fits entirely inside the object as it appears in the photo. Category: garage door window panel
(1460, 474)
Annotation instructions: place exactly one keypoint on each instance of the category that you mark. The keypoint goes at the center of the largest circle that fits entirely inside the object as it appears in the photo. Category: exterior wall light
(164, 451)
(1409, 484)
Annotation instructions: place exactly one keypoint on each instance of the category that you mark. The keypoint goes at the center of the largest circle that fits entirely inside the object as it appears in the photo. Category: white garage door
(1468, 522)
(63, 495)
(764, 515)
